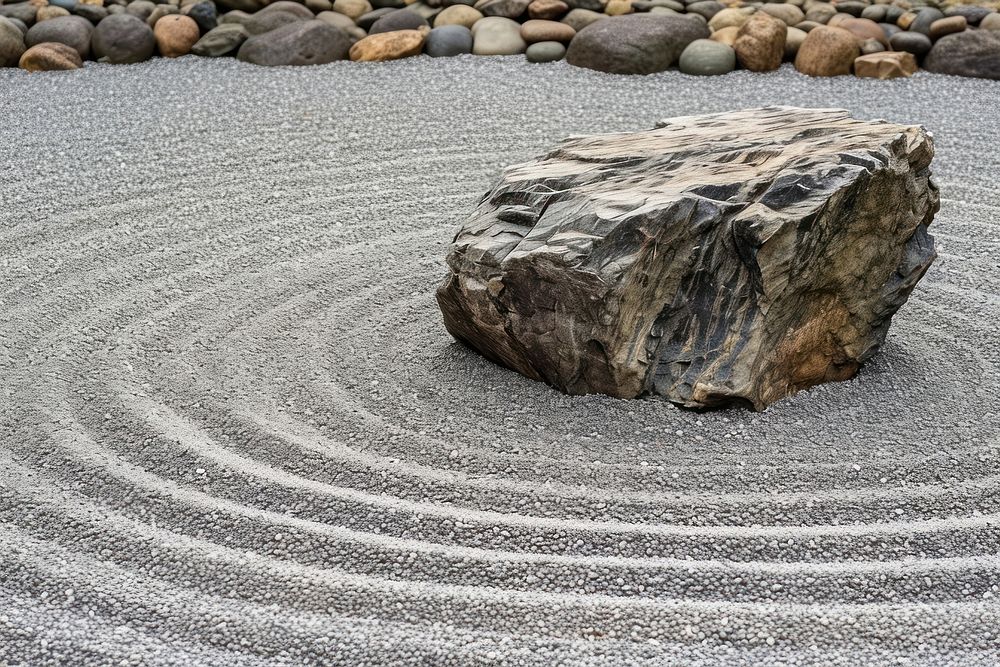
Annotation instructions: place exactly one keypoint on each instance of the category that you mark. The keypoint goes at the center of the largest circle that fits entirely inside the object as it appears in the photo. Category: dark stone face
(973, 53)
(122, 39)
(720, 259)
(634, 44)
(298, 43)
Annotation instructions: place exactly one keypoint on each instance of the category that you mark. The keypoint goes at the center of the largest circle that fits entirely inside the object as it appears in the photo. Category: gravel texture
(234, 431)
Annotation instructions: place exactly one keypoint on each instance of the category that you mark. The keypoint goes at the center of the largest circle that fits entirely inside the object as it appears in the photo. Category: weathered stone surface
(886, 65)
(760, 43)
(724, 259)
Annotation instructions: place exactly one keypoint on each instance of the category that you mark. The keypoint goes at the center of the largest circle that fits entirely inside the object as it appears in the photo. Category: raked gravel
(233, 429)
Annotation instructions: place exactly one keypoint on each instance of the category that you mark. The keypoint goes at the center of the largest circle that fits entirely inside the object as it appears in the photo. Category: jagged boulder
(723, 259)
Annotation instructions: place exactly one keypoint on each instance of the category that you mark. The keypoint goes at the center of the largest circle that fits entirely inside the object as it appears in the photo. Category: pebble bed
(882, 39)
(233, 429)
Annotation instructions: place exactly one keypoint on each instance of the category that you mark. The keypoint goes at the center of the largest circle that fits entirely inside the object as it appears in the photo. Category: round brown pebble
(947, 26)
(547, 9)
(536, 30)
(760, 45)
(389, 45)
(827, 51)
(50, 57)
(175, 35)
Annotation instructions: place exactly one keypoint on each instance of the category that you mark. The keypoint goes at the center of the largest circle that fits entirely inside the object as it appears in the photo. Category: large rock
(448, 41)
(301, 43)
(122, 39)
(970, 53)
(634, 44)
(724, 259)
(73, 31)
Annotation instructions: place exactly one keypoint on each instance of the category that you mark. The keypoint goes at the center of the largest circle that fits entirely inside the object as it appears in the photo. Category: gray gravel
(234, 431)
